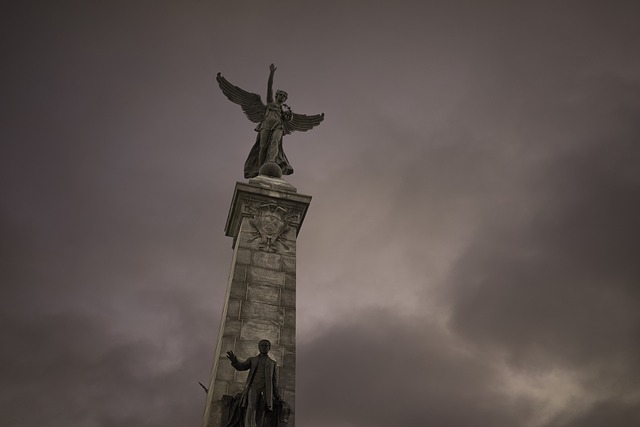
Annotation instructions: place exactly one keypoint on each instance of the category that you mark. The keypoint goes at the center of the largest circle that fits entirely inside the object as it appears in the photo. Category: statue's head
(281, 96)
(264, 346)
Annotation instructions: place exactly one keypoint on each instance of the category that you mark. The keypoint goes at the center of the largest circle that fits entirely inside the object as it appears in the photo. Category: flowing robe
(273, 120)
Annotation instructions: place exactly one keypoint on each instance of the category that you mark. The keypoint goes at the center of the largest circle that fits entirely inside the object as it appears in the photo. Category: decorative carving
(270, 223)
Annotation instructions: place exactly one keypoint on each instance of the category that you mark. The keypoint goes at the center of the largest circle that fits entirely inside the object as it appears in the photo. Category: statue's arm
(237, 364)
(272, 71)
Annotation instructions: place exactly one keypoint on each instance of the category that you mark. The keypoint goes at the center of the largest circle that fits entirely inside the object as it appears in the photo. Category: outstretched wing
(251, 103)
(302, 122)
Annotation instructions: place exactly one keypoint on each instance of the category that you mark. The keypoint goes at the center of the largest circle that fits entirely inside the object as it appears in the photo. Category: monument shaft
(264, 220)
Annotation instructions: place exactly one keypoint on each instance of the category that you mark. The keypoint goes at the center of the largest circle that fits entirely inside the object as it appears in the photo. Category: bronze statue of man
(274, 120)
(261, 388)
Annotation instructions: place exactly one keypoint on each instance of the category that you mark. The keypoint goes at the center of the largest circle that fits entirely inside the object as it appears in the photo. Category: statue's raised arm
(272, 71)
(274, 120)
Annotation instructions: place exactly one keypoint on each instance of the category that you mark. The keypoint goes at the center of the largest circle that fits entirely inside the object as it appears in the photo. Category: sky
(470, 255)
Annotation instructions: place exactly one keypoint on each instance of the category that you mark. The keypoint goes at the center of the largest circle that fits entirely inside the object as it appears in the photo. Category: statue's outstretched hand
(272, 68)
(232, 357)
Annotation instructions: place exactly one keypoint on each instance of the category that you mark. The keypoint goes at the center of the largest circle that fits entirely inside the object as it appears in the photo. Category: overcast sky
(470, 256)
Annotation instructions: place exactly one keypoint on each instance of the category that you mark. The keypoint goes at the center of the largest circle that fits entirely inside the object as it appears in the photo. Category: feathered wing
(302, 122)
(251, 103)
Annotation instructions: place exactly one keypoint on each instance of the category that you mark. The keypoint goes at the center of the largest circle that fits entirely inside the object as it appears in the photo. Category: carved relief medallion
(270, 224)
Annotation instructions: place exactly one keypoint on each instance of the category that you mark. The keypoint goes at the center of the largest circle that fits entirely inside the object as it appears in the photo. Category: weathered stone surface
(241, 377)
(289, 396)
(267, 260)
(247, 239)
(226, 372)
(243, 256)
(238, 289)
(290, 281)
(232, 328)
(263, 276)
(233, 308)
(289, 361)
(227, 343)
(288, 336)
(235, 387)
(288, 298)
(216, 411)
(258, 330)
(289, 264)
(287, 379)
(219, 389)
(277, 353)
(290, 248)
(264, 294)
(290, 317)
(246, 348)
(265, 312)
(240, 272)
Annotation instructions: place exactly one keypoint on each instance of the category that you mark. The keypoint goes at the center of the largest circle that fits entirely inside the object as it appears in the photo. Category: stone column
(264, 220)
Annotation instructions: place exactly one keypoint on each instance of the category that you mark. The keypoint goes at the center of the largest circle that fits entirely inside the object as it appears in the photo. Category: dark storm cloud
(560, 291)
(71, 369)
(380, 368)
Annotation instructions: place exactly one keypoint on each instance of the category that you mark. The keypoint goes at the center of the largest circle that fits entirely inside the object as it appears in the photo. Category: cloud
(555, 293)
(382, 368)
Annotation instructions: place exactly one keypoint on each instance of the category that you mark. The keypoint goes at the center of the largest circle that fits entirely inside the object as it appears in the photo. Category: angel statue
(274, 120)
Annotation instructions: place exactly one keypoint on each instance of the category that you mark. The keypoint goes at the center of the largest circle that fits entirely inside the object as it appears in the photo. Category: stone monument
(259, 313)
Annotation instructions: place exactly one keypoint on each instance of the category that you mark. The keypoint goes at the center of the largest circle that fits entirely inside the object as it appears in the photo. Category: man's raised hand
(232, 356)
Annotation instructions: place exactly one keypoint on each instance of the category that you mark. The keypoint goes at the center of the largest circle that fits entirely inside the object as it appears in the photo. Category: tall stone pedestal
(264, 220)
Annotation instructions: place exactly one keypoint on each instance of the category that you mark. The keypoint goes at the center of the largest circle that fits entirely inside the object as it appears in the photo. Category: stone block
(233, 308)
(226, 372)
(263, 294)
(246, 348)
(232, 328)
(289, 264)
(290, 398)
(265, 312)
(266, 260)
(247, 239)
(214, 413)
(290, 318)
(240, 272)
(256, 330)
(263, 276)
(238, 289)
(228, 342)
(287, 337)
(290, 243)
(235, 387)
(219, 389)
(287, 380)
(290, 280)
(243, 256)
(289, 361)
(288, 298)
